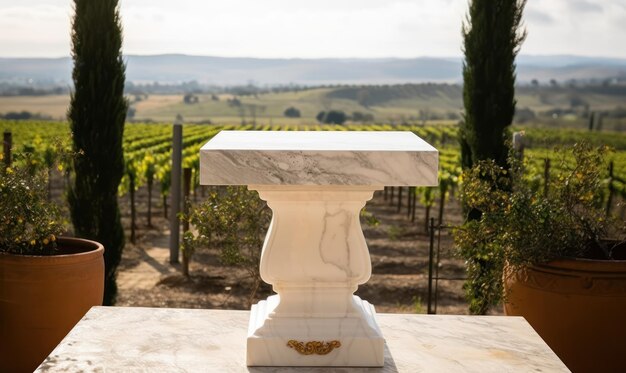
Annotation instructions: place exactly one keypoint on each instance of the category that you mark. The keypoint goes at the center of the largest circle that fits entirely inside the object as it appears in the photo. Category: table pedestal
(314, 256)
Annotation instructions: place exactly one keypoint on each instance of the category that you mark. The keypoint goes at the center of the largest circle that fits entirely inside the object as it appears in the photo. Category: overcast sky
(312, 28)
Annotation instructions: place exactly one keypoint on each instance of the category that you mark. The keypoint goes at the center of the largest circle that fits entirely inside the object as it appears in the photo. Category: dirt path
(398, 249)
(153, 265)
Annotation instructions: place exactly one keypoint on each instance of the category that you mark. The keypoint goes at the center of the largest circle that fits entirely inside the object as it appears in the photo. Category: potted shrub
(546, 254)
(47, 281)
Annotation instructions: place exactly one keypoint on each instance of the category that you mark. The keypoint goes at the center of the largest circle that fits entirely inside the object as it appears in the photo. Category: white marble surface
(115, 339)
(384, 158)
(358, 337)
(315, 256)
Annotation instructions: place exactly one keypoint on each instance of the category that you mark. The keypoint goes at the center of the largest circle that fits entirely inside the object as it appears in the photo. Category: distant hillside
(549, 104)
(237, 71)
(367, 96)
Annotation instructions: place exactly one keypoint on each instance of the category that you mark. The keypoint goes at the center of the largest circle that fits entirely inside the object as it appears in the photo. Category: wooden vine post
(7, 143)
(133, 211)
(186, 193)
(177, 144)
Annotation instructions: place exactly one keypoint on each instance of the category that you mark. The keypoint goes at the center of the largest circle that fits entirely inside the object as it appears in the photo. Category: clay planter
(43, 297)
(578, 307)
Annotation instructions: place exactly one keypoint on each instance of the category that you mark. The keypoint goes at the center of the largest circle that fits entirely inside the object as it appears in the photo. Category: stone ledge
(117, 339)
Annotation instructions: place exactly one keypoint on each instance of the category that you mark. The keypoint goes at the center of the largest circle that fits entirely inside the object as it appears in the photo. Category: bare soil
(399, 250)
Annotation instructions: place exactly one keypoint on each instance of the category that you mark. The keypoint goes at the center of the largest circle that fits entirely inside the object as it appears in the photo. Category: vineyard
(147, 152)
(147, 149)
(398, 245)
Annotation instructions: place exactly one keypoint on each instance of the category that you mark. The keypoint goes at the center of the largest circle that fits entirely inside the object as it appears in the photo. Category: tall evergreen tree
(492, 37)
(96, 114)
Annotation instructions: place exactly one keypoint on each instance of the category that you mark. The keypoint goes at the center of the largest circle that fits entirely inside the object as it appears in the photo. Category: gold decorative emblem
(313, 347)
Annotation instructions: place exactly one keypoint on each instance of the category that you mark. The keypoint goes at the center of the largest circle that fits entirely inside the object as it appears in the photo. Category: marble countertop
(118, 339)
(380, 158)
(319, 141)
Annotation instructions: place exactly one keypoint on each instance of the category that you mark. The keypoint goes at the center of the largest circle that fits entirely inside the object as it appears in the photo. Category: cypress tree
(492, 38)
(96, 114)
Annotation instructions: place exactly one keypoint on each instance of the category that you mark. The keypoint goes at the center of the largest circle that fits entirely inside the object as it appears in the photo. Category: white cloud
(274, 28)
(584, 6)
(578, 27)
(278, 28)
(320, 28)
(41, 29)
(537, 16)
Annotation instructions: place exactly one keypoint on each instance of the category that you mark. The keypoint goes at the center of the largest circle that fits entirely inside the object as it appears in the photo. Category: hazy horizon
(459, 57)
(322, 29)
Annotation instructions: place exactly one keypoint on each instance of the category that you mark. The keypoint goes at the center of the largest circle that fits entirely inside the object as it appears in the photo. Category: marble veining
(329, 254)
(318, 158)
(314, 254)
(119, 339)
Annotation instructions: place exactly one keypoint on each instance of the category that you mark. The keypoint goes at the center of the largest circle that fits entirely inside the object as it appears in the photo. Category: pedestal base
(353, 340)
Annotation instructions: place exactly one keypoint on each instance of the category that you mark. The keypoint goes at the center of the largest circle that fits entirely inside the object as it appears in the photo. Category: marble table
(119, 339)
(315, 255)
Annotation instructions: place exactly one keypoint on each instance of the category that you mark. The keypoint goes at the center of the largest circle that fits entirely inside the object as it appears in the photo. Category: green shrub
(29, 223)
(292, 112)
(521, 226)
(234, 220)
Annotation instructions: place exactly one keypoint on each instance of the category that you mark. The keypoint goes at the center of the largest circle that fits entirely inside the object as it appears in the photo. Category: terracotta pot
(43, 297)
(578, 307)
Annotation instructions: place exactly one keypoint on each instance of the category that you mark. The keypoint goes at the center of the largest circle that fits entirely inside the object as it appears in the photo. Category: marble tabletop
(118, 339)
(381, 158)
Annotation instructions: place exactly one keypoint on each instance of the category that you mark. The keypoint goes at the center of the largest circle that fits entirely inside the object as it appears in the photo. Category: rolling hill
(175, 68)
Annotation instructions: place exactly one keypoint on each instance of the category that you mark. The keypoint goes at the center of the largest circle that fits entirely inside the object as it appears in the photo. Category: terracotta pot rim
(90, 250)
(581, 264)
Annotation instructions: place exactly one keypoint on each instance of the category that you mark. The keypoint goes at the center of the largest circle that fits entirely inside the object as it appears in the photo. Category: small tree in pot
(47, 282)
(546, 250)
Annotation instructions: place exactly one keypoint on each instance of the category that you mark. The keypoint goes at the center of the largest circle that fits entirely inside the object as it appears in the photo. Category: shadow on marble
(390, 367)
